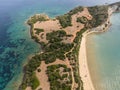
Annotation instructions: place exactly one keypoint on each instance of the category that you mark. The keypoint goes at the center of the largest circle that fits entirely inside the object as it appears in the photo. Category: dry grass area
(42, 76)
(28, 88)
(76, 26)
(54, 25)
(48, 26)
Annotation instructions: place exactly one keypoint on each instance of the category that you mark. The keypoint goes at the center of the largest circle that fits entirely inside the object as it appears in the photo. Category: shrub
(36, 18)
(65, 20)
(38, 30)
(82, 20)
(76, 10)
(99, 14)
(34, 82)
(56, 81)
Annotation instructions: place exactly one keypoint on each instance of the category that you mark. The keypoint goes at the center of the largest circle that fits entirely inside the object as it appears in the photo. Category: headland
(62, 63)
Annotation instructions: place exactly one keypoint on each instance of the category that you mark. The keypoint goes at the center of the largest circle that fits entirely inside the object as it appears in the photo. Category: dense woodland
(100, 15)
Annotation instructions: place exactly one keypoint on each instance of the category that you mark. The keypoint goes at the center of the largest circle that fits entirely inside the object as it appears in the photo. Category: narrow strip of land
(83, 66)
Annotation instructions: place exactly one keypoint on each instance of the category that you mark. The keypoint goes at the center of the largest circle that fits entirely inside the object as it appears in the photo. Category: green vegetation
(79, 36)
(34, 82)
(82, 20)
(65, 20)
(36, 18)
(38, 30)
(29, 78)
(56, 49)
(57, 80)
(39, 70)
(35, 38)
(55, 36)
(73, 57)
(76, 10)
(100, 15)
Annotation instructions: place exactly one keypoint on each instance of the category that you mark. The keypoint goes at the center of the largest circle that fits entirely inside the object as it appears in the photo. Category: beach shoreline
(84, 69)
(83, 65)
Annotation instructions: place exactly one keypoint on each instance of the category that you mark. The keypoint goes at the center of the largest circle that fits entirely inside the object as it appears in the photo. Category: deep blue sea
(16, 45)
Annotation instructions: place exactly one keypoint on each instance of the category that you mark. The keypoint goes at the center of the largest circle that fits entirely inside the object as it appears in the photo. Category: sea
(103, 52)
(16, 45)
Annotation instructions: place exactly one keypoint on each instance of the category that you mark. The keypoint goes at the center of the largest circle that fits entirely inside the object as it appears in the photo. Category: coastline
(84, 69)
(83, 65)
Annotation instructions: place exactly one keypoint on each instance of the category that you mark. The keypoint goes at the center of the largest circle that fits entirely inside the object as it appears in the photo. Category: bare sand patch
(54, 25)
(28, 88)
(42, 77)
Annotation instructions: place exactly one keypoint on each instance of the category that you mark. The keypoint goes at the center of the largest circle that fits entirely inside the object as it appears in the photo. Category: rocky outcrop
(115, 7)
(102, 28)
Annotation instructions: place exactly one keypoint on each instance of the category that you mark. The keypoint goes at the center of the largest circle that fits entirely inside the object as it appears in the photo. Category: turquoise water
(16, 44)
(107, 56)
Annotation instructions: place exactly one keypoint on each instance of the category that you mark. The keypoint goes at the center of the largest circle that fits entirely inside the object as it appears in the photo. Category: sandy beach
(83, 65)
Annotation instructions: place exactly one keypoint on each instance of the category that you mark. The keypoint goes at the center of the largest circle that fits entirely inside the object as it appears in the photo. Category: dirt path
(43, 78)
(53, 25)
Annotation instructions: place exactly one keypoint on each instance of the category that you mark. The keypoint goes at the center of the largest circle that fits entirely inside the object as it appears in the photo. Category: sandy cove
(83, 65)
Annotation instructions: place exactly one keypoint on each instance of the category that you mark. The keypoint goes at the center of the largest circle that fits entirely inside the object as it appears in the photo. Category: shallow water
(106, 48)
(16, 44)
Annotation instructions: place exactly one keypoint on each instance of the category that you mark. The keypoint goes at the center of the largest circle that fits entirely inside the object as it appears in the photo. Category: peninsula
(62, 62)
